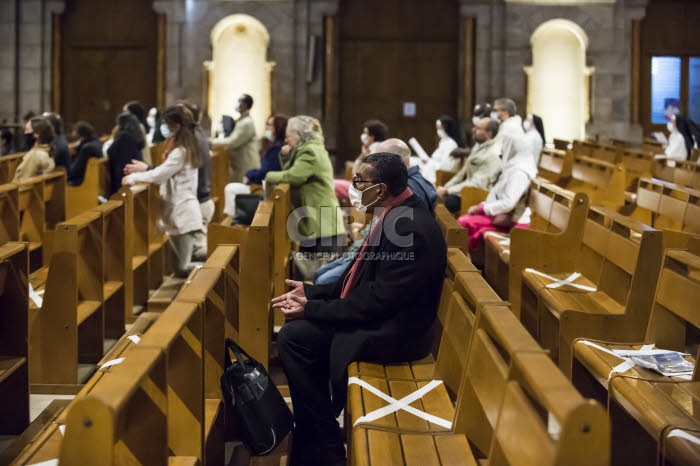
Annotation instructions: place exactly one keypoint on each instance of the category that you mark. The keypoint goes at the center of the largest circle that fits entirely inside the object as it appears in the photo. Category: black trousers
(304, 349)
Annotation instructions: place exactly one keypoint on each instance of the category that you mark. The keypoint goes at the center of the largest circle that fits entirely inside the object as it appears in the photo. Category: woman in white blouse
(534, 135)
(177, 176)
(450, 139)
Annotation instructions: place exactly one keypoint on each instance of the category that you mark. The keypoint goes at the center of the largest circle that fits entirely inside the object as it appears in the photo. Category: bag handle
(237, 350)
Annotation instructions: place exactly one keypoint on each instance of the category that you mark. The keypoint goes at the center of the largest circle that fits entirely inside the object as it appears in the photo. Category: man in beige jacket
(481, 169)
(242, 143)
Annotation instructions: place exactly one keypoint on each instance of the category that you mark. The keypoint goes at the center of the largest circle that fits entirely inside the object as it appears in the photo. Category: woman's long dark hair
(451, 127)
(128, 123)
(44, 132)
(185, 137)
(279, 123)
(135, 108)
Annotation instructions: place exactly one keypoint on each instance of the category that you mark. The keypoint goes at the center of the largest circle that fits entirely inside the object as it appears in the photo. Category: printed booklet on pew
(668, 363)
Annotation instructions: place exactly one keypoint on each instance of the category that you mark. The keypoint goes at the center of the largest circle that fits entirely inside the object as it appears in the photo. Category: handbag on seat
(261, 412)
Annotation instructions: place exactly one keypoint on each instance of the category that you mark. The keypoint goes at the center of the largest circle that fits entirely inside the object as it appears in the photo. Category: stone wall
(503, 31)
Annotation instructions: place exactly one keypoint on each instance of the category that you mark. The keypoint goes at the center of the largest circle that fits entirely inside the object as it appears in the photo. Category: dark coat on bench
(387, 315)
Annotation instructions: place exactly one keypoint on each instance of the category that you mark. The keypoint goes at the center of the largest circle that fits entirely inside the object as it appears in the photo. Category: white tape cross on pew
(557, 283)
(503, 240)
(398, 405)
(627, 363)
(684, 435)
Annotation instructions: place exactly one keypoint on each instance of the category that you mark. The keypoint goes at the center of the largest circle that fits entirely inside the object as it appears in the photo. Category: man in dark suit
(380, 310)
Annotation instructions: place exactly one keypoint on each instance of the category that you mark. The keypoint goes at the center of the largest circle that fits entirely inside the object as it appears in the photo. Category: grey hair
(305, 127)
(507, 105)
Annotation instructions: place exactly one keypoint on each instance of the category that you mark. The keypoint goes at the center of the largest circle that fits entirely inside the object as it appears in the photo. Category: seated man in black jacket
(380, 310)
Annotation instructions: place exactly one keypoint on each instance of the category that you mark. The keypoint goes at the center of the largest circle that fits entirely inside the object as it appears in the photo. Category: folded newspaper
(668, 363)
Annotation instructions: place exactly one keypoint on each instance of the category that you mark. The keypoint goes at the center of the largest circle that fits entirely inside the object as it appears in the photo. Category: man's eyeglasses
(355, 181)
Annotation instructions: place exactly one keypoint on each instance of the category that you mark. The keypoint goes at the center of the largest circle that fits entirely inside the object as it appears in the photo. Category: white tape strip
(36, 297)
(62, 428)
(135, 338)
(397, 405)
(113, 362)
(504, 240)
(46, 463)
(568, 281)
(684, 435)
(627, 363)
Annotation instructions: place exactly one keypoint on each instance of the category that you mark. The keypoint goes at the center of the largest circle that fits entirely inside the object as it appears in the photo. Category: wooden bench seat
(555, 165)
(165, 294)
(554, 210)
(219, 180)
(455, 234)
(95, 183)
(612, 274)
(681, 172)
(602, 181)
(667, 205)
(8, 166)
(640, 397)
(9, 213)
(14, 366)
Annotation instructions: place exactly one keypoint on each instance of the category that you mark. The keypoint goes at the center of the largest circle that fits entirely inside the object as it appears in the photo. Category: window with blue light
(694, 89)
(665, 87)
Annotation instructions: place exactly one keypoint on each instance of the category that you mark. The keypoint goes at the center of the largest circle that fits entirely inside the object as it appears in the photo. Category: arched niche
(239, 65)
(558, 80)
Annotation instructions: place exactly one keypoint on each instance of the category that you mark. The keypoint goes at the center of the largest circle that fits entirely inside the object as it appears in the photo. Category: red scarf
(350, 277)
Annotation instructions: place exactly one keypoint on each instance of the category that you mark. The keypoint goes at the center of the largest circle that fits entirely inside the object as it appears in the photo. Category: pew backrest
(9, 213)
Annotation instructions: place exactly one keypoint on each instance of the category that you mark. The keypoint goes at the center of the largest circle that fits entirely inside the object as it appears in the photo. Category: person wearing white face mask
(381, 309)
(534, 136)
(448, 132)
(373, 133)
(511, 125)
(676, 148)
(242, 143)
(274, 132)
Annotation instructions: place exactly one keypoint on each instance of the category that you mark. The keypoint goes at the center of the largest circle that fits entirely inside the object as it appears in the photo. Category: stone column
(175, 25)
(7, 61)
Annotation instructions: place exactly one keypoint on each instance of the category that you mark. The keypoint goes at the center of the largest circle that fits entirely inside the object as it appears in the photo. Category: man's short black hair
(248, 101)
(390, 170)
(377, 129)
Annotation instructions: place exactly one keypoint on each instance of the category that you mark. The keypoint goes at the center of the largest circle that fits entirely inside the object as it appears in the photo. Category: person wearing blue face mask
(127, 146)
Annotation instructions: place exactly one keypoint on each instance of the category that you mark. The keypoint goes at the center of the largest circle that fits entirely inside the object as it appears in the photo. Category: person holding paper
(448, 131)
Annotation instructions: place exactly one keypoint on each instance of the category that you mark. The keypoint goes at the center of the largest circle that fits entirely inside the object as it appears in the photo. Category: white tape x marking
(627, 363)
(684, 435)
(113, 362)
(568, 281)
(135, 338)
(504, 240)
(397, 405)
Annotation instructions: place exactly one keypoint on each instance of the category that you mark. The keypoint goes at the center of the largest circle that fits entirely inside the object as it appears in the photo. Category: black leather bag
(263, 416)
(246, 205)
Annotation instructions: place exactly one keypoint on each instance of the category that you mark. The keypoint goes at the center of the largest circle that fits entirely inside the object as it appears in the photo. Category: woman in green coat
(316, 222)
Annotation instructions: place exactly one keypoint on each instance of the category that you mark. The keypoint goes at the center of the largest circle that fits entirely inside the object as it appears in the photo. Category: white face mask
(494, 116)
(151, 121)
(269, 135)
(355, 196)
(527, 126)
(670, 127)
(364, 137)
(165, 131)
(476, 120)
(237, 108)
(442, 134)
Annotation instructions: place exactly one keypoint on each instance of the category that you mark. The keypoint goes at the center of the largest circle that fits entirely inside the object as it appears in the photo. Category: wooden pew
(80, 306)
(555, 165)
(147, 249)
(603, 182)
(455, 234)
(349, 164)
(646, 406)
(443, 176)
(610, 154)
(219, 180)
(611, 277)
(554, 210)
(256, 276)
(8, 166)
(681, 172)
(157, 151)
(42, 207)
(96, 182)
(282, 243)
(561, 144)
(122, 421)
(9, 213)
(14, 351)
(638, 164)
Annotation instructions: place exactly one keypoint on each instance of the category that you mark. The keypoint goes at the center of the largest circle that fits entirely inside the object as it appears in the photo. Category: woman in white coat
(534, 136)
(505, 206)
(177, 176)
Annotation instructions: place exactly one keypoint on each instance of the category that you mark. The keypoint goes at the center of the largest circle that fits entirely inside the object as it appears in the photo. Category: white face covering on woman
(269, 135)
(527, 125)
(670, 127)
(364, 138)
